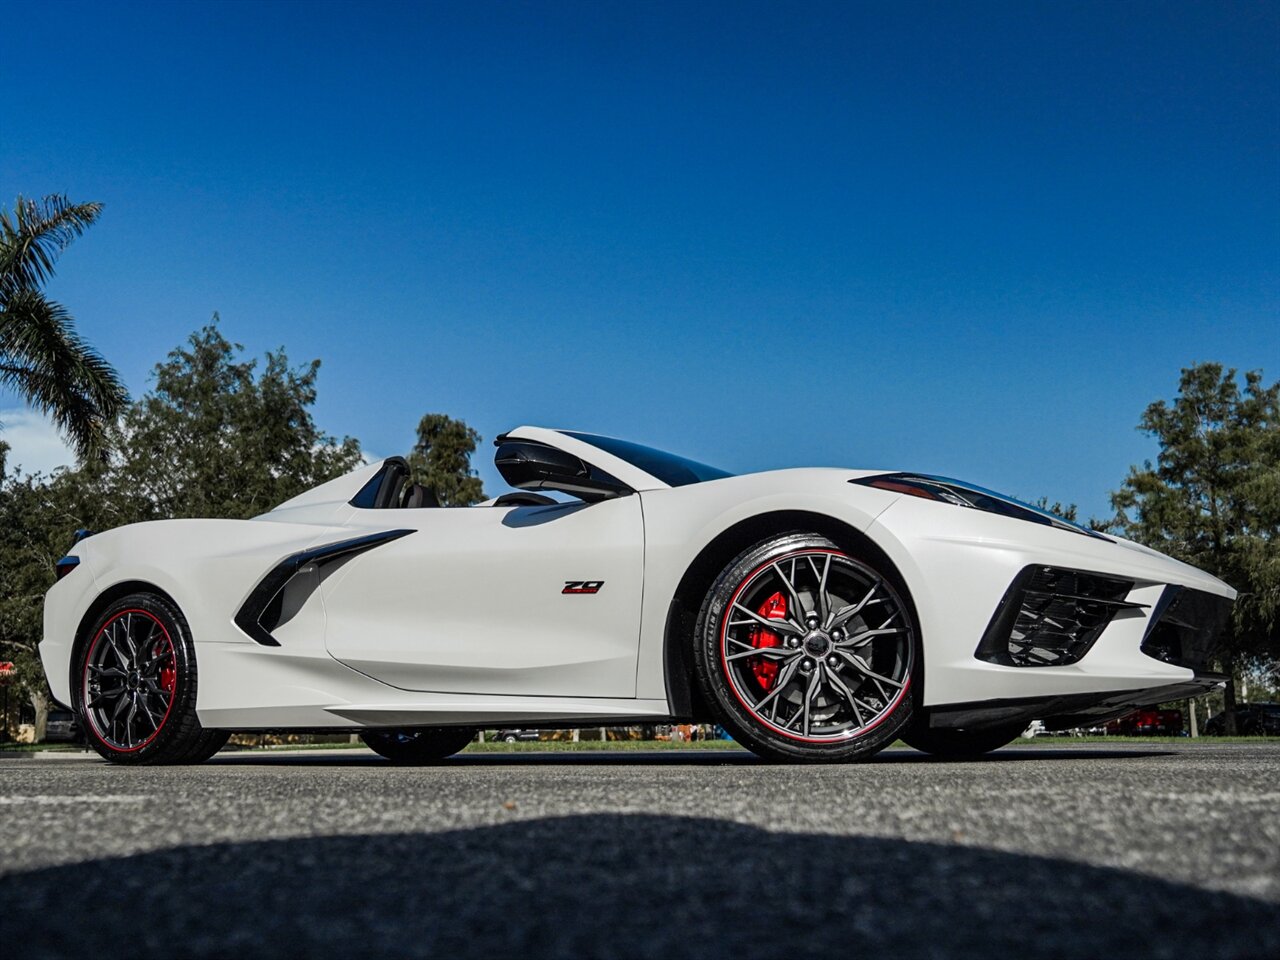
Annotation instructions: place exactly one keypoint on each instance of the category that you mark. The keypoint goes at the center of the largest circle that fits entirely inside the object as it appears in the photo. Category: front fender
(208, 568)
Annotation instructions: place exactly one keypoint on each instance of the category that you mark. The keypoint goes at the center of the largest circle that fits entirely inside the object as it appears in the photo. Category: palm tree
(42, 359)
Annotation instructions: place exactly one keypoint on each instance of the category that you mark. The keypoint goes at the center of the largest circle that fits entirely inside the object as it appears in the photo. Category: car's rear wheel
(960, 743)
(135, 685)
(806, 652)
(419, 745)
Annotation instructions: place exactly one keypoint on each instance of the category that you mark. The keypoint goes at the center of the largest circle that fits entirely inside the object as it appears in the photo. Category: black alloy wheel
(134, 685)
(807, 652)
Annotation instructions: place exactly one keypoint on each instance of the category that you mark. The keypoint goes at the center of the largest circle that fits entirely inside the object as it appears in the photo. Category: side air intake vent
(1185, 626)
(1051, 616)
(263, 611)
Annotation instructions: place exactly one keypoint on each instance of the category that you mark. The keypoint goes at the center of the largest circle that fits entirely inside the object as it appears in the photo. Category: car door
(527, 600)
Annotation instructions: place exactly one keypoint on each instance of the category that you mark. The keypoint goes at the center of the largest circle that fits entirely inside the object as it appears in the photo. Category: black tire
(510, 738)
(211, 743)
(959, 744)
(419, 745)
(820, 660)
(141, 644)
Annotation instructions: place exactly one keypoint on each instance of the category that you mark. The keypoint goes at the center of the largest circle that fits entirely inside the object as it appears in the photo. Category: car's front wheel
(419, 745)
(135, 685)
(806, 651)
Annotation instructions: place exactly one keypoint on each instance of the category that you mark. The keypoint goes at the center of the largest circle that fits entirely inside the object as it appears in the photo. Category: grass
(40, 747)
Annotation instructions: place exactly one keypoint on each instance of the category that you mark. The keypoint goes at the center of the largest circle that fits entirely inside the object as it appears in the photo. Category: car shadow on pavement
(615, 885)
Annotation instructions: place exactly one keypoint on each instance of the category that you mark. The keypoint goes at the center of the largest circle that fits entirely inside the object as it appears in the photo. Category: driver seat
(419, 496)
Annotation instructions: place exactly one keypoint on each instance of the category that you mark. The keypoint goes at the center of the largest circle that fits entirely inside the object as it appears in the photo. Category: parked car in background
(1148, 723)
(62, 727)
(517, 736)
(1252, 720)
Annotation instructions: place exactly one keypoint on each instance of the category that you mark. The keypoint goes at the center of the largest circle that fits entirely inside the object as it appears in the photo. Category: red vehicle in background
(1147, 723)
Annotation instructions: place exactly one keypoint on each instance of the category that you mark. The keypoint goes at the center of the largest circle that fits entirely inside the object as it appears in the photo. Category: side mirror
(536, 466)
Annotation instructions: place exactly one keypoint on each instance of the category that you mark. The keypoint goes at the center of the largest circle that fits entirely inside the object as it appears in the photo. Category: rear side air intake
(1051, 616)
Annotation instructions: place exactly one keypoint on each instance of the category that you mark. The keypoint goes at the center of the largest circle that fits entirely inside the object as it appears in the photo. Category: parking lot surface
(1061, 851)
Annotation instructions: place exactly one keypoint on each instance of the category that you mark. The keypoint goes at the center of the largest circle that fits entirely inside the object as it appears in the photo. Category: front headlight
(960, 494)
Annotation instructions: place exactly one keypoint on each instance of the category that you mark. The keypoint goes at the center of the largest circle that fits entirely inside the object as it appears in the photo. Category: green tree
(1067, 512)
(42, 359)
(441, 460)
(35, 513)
(216, 437)
(1212, 498)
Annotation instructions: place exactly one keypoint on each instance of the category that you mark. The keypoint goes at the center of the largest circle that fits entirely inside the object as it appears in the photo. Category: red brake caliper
(766, 671)
(169, 672)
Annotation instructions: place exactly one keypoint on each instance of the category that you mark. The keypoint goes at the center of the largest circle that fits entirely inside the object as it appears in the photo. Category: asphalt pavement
(1081, 851)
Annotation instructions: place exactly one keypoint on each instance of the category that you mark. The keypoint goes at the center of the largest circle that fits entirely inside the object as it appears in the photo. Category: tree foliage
(216, 437)
(1212, 497)
(441, 460)
(37, 518)
(42, 358)
(1057, 508)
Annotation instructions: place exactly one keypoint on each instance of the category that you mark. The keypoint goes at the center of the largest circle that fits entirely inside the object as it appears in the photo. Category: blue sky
(974, 239)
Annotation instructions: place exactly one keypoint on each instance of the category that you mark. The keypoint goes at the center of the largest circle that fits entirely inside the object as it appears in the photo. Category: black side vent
(1185, 626)
(262, 611)
(1051, 616)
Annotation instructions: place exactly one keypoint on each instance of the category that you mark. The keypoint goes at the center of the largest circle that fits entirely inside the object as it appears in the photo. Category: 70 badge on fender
(582, 586)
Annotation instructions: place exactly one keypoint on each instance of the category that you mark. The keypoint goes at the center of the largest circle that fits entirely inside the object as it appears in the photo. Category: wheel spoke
(865, 635)
(824, 601)
(845, 614)
(142, 702)
(783, 626)
(769, 653)
(113, 641)
(784, 677)
(864, 668)
(837, 681)
(120, 705)
(791, 588)
(128, 720)
(128, 637)
(104, 696)
(156, 656)
(814, 679)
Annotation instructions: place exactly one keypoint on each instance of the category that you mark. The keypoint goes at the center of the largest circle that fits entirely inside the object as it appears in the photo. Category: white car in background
(817, 614)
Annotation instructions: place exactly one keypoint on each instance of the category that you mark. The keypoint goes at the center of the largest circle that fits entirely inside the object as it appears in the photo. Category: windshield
(667, 467)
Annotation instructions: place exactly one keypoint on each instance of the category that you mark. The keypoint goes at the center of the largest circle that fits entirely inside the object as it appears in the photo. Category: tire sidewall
(735, 717)
(175, 735)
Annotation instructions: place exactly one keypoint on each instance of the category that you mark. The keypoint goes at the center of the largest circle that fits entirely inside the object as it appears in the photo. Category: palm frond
(33, 237)
(45, 361)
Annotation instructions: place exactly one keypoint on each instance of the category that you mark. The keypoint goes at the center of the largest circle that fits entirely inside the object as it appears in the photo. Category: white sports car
(817, 614)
